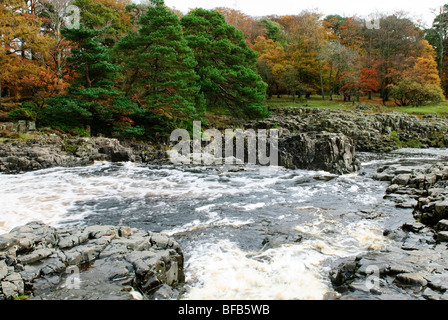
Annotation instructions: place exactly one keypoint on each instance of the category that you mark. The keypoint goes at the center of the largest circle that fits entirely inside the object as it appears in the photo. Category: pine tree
(92, 98)
(159, 65)
(226, 66)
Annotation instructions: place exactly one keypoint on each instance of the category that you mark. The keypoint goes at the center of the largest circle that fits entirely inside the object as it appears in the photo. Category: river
(252, 233)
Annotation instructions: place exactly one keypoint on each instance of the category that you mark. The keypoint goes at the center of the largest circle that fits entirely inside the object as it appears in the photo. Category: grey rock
(9, 289)
(401, 179)
(31, 273)
(442, 236)
(165, 292)
(332, 152)
(3, 269)
(96, 232)
(438, 281)
(53, 265)
(395, 268)
(345, 271)
(96, 262)
(413, 226)
(442, 225)
(35, 256)
(430, 294)
(47, 151)
(413, 279)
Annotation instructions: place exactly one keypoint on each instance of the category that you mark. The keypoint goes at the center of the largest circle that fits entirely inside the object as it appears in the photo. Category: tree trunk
(330, 86)
(321, 80)
(88, 80)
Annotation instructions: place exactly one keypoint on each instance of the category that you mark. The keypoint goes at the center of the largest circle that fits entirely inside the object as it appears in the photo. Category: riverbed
(247, 232)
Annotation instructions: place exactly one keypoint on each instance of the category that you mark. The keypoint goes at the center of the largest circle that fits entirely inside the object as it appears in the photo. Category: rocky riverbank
(48, 151)
(314, 151)
(419, 265)
(315, 139)
(370, 131)
(96, 262)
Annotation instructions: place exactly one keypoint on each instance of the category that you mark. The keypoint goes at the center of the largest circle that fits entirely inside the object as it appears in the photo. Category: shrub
(257, 112)
(408, 92)
(27, 111)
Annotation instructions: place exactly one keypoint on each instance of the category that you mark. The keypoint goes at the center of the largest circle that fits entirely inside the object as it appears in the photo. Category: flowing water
(257, 233)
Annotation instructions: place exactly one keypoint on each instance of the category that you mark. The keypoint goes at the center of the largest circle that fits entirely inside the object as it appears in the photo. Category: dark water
(223, 219)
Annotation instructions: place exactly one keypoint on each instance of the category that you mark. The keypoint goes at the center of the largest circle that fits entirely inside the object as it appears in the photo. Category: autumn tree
(272, 60)
(250, 27)
(369, 81)
(395, 44)
(21, 42)
(437, 36)
(306, 35)
(340, 59)
(421, 83)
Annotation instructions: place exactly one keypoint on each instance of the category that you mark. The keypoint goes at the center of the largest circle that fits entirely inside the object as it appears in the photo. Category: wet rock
(413, 227)
(344, 273)
(412, 279)
(96, 262)
(330, 152)
(396, 268)
(3, 269)
(430, 294)
(438, 282)
(48, 151)
(401, 179)
(442, 236)
(165, 292)
(442, 225)
(35, 256)
(9, 290)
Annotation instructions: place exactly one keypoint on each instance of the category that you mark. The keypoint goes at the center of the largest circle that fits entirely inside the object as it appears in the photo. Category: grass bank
(315, 101)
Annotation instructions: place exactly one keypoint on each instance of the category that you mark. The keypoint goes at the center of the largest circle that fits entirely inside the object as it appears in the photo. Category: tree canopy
(140, 70)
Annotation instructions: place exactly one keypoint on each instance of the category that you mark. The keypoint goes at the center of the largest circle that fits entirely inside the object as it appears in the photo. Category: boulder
(442, 225)
(442, 236)
(94, 262)
(330, 152)
(412, 279)
(401, 179)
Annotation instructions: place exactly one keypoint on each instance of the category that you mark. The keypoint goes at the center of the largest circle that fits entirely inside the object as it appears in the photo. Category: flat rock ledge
(47, 151)
(38, 261)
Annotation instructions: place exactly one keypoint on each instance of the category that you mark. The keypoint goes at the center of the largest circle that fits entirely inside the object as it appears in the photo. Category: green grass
(338, 103)
(440, 108)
